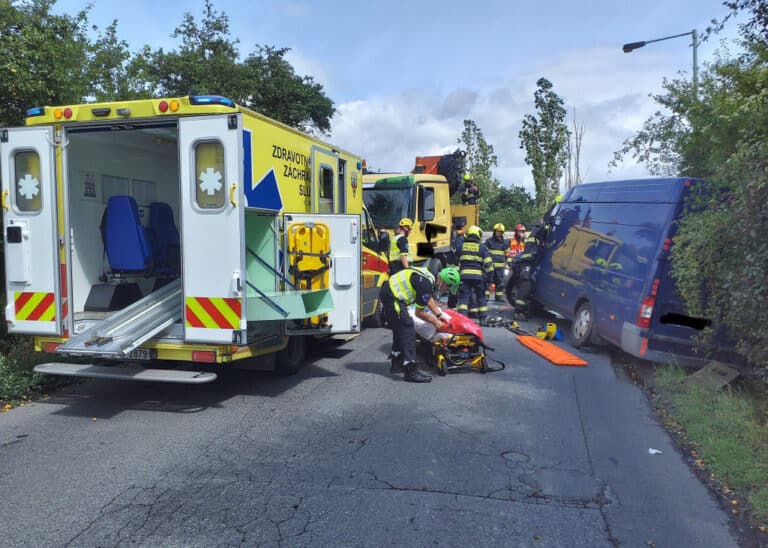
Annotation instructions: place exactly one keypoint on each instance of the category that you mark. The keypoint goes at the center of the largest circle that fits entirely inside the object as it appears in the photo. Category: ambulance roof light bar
(211, 100)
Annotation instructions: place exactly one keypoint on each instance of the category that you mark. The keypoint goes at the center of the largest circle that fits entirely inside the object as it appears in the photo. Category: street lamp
(694, 36)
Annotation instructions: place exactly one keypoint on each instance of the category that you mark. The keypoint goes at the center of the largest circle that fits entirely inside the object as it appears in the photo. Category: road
(343, 455)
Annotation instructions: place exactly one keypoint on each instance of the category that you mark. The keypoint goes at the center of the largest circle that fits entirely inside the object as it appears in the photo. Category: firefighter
(399, 252)
(475, 268)
(413, 286)
(517, 242)
(497, 246)
(470, 193)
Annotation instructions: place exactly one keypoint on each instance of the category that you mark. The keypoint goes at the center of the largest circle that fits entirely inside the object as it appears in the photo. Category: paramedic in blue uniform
(407, 287)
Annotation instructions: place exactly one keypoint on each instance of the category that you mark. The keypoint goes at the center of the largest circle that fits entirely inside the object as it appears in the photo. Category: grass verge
(726, 432)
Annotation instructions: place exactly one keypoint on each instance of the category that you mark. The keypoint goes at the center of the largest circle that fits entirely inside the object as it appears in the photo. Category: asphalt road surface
(344, 455)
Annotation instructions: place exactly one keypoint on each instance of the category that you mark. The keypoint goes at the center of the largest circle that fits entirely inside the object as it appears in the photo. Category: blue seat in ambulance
(125, 241)
(166, 251)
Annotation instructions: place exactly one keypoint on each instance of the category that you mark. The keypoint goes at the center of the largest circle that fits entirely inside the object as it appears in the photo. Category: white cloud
(608, 89)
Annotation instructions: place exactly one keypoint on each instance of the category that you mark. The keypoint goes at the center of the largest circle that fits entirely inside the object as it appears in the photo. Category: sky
(405, 74)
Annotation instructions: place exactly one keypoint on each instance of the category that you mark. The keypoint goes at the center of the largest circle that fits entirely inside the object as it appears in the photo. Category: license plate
(141, 354)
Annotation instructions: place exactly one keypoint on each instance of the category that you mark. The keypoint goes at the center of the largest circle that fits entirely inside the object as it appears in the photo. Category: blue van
(605, 264)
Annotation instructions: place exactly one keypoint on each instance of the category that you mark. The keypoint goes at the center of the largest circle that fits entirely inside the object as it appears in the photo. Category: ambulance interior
(132, 175)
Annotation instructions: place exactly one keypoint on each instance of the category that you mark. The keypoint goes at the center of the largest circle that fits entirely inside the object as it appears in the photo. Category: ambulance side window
(26, 181)
(209, 175)
(325, 204)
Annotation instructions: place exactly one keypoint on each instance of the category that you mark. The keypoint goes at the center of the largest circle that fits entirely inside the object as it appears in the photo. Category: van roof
(658, 190)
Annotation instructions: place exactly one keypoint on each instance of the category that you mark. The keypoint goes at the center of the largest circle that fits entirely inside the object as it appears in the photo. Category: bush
(17, 380)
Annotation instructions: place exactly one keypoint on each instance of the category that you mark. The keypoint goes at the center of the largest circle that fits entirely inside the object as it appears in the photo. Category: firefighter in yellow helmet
(497, 246)
(469, 193)
(399, 251)
(475, 267)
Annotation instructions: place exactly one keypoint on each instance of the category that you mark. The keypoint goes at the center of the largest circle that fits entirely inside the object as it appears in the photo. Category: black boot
(396, 364)
(412, 373)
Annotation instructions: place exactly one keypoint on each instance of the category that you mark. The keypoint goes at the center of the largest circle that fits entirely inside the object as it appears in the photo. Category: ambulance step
(125, 330)
(129, 372)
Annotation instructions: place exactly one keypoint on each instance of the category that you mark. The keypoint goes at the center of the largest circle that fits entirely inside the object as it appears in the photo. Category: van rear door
(212, 229)
(32, 277)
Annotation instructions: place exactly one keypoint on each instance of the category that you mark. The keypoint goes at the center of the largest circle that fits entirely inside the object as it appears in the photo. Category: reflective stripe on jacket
(498, 249)
(401, 286)
(474, 260)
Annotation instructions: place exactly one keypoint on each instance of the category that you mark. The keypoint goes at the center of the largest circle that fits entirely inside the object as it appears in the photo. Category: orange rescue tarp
(550, 352)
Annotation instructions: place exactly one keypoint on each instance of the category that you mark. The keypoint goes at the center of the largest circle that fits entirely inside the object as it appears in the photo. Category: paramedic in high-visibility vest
(497, 246)
(399, 252)
(407, 287)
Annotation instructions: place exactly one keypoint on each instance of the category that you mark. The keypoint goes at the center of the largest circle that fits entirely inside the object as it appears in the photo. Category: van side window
(325, 202)
(26, 182)
(209, 173)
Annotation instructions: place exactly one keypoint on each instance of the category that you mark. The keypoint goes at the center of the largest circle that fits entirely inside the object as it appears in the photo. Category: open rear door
(344, 275)
(29, 228)
(212, 229)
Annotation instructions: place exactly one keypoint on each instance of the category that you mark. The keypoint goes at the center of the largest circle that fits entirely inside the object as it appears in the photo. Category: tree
(510, 206)
(723, 137)
(207, 62)
(43, 58)
(479, 159)
(544, 138)
(573, 175)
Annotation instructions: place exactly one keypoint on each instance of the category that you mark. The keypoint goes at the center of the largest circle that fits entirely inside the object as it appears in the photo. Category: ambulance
(141, 234)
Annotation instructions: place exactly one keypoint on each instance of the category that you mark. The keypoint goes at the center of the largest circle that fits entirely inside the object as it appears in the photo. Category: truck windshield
(388, 206)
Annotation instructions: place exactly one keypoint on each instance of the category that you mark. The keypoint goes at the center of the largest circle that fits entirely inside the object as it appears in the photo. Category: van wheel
(290, 359)
(583, 325)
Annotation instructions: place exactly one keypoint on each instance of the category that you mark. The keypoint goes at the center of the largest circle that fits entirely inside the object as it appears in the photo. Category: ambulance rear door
(212, 229)
(32, 276)
(344, 275)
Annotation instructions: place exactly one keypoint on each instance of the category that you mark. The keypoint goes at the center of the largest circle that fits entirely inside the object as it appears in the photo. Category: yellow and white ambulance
(189, 229)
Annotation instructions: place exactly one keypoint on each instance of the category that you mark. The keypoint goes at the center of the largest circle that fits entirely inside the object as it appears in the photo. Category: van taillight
(646, 310)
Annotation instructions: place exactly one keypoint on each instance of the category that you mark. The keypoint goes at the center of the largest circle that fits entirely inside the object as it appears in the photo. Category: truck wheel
(290, 359)
(376, 319)
(583, 325)
(435, 265)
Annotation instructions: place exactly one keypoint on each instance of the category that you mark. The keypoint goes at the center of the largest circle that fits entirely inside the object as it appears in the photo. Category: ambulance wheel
(583, 325)
(484, 366)
(290, 359)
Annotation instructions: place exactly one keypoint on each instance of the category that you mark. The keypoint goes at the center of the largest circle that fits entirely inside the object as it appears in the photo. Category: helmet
(520, 227)
(498, 226)
(405, 222)
(467, 177)
(450, 275)
(475, 231)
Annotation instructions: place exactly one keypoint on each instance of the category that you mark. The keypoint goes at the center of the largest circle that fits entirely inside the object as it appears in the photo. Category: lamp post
(627, 48)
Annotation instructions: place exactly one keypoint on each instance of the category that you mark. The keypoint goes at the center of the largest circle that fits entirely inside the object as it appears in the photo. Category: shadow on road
(102, 398)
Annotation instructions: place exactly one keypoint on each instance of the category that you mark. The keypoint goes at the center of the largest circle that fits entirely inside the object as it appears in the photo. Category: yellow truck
(180, 229)
(424, 196)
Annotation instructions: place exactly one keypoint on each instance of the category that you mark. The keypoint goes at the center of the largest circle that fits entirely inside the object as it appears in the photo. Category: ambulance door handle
(5, 200)
(232, 199)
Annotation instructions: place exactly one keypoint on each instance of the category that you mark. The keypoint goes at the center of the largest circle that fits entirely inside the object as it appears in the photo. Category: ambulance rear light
(163, 106)
(211, 100)
(50, 347)
(67, 113)
(207, 356)
(37, 111)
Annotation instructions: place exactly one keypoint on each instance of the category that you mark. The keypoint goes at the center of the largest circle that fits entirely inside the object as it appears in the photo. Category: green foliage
(721, 135)
(207, 62)
(43, 60)
(509, 206)
(479, 160)
(17, 380)
(544, 137)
